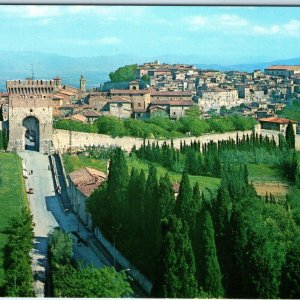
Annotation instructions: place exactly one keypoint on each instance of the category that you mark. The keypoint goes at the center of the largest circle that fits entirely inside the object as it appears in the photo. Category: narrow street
(48, 213)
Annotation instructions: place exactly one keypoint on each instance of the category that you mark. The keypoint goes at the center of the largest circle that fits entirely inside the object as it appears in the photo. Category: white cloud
(32, 11)
(112, 40)
(291, 28)
(266, 30)
(215, 22)
(104, 41)
(231, 20)
(196, 21)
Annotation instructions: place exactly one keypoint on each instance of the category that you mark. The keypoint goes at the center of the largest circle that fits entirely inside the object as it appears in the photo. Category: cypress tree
(176, 267)
(117, 184)
(184, 199)
(209, 269)
(290, 135)
(166, 196)
(290, 281)
(152, 215)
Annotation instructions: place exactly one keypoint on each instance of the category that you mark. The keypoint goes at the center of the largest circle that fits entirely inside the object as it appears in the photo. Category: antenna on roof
(32, 76)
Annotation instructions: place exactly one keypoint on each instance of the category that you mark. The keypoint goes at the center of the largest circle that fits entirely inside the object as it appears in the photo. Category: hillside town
(172, 89)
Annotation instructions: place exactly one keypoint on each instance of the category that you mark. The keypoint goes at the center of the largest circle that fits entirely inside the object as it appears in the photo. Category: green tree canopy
(125, 73)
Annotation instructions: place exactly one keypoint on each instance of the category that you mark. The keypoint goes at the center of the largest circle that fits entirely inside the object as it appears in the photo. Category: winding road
(48, 213)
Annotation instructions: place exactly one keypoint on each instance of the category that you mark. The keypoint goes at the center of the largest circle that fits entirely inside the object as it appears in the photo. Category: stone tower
(57, 84)
(134, 85)
(82, 83)
(30, 114)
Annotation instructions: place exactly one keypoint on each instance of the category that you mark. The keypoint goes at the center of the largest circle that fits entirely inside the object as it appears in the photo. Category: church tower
(82, 83)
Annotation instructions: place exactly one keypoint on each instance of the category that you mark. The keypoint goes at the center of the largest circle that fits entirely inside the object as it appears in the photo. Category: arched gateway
(31, 133)
(30, 121)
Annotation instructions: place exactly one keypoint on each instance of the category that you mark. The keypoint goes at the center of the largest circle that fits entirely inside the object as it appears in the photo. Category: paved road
(48, 214)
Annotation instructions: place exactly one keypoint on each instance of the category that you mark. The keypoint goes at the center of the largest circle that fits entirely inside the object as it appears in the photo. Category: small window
(31, 110)
(174, 113)
(139, 104)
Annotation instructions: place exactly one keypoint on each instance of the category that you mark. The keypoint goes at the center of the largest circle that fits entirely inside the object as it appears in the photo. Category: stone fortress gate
(30, 114)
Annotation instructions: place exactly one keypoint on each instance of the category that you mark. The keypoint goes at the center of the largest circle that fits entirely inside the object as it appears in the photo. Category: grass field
(12, 196)
(264, 172)
(73, 163)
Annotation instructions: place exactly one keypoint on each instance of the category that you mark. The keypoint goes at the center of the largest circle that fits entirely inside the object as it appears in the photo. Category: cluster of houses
(172, 90)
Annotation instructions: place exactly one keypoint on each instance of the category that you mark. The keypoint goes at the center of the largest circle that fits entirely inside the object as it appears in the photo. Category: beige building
(217, 97)
(171, 95)
(120, 107)
(140, 99)
(284, 71)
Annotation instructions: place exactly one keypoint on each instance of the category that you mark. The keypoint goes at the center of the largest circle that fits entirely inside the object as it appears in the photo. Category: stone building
(217, 97)
(140, 99)
(278, 124)
(82, 183)
(30, 111)
(283, 71)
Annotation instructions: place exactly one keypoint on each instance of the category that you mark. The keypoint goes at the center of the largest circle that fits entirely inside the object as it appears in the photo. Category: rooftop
(87, 180)
(277, 120)
(283, 67)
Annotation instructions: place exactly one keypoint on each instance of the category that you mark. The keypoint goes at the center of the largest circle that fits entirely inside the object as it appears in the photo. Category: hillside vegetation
(160, 127)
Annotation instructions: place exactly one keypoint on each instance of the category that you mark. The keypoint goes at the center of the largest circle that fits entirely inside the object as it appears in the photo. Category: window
(139, 104)
(31, 110)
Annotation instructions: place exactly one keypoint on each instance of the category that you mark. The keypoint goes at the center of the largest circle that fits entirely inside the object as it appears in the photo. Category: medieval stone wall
(64, 139)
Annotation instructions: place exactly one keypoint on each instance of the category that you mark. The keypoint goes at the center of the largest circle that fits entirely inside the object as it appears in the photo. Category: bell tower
(82, 83)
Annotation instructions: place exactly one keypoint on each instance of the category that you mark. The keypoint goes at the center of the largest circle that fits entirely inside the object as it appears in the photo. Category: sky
(221, 35)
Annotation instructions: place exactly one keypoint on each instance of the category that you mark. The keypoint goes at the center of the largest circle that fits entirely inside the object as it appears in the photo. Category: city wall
(64, 139)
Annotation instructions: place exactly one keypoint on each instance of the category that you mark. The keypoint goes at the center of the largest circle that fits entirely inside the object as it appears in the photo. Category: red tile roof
(173, 102)
(277, 120)
(171, 93)
(91, 113)
(119, 100)
(87, 179)
(128, 92)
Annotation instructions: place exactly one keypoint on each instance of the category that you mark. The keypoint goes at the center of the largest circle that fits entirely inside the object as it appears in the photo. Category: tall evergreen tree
(210, 278)
(184, 199)
(290, 281)
(176, 267)
(290, 135)
(152, 215)
(117, 183)
(166, 196)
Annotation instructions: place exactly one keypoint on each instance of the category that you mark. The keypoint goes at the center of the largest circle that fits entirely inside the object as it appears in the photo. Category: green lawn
(73, 163)
(12, 196)
(264, 172)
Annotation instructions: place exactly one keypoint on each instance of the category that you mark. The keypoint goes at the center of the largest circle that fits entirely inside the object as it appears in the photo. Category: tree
(152, 215)
(176, 267)
(290, 281)
(60, 248)
(117, 183)
(18, 271)
(210, 274)
(290, 135)
(183, 207)
(166, 196)
(193, 112)
(125, 73)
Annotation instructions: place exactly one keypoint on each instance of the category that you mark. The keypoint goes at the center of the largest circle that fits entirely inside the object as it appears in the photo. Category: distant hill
(17, 65)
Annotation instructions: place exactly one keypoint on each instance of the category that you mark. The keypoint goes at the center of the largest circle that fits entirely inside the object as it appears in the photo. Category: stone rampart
(64, 139)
